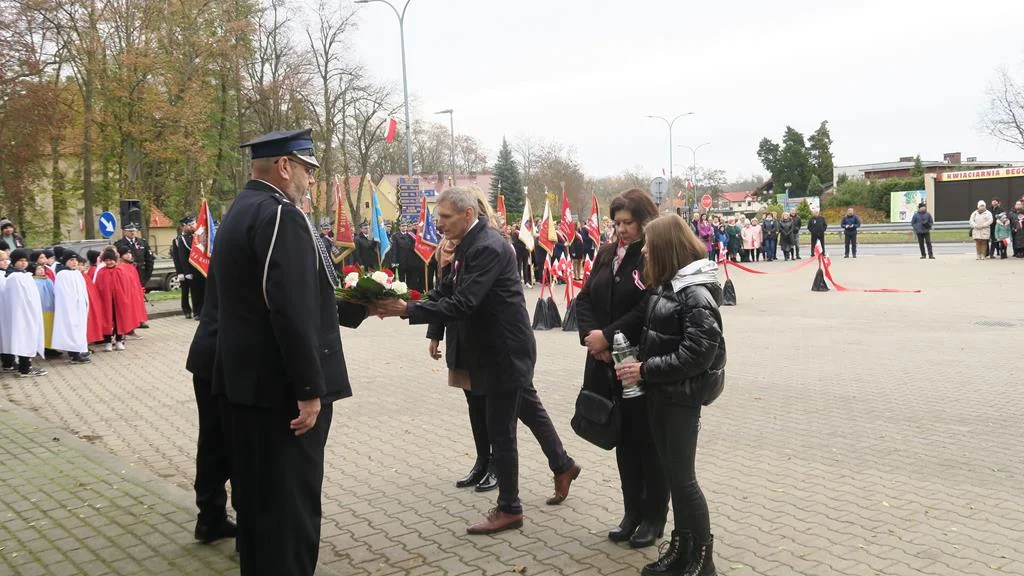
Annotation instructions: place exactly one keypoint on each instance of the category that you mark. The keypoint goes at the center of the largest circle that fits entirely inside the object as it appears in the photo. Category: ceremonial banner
(565, 225)
(378, 231)
(344, 234)
(426, 234)
(202, 240)
(593, 225)
(500, 210)
(547, 236)
(526, 226)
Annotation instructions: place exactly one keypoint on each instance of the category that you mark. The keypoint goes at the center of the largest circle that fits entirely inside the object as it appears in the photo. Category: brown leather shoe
(562, 482)
(497, 521)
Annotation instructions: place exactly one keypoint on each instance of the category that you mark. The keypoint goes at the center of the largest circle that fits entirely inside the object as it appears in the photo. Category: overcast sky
(893, 78)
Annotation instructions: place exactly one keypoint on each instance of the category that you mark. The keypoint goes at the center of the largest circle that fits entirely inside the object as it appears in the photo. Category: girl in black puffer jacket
(682, 363)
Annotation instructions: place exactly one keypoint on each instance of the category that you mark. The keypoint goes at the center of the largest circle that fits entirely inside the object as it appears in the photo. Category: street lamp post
(405, 80)
(693, 167)
(671, 123)
(451, 120)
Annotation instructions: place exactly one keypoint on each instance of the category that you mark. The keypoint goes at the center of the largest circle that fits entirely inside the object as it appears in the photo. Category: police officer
(181, 246)
(213, 455)
(279, 360)
(141, 254)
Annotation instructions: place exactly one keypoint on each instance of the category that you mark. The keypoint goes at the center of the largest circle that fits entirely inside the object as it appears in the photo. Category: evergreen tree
(918, 169)
(507, 182)
(814, 187)
(819, 150)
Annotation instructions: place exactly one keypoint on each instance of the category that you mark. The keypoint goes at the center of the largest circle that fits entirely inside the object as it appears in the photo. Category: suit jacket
(180, 248)
(142, 256)
(484, 293)
(277, 325)
(366, 252)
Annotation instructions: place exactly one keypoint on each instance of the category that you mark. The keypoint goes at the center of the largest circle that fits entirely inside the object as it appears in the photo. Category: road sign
(107, 224)
(706, 201)
(409, 199)
(659, 187)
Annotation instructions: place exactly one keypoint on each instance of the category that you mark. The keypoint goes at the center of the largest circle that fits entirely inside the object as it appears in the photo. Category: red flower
(350, 269)
(389, 272)
(415, 295)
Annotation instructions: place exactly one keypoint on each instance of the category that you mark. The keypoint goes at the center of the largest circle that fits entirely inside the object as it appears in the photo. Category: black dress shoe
(647, 534)
(624, 531)
(207, 533)
(474, 477)
(188, 315)
(488, 482)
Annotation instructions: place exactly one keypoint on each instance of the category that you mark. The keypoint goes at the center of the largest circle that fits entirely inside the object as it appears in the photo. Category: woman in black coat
(682, 367)
(603, 307)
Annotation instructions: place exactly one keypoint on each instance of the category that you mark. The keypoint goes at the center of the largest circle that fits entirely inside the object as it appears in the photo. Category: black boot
(674, 557)
(647, 534)
(624, 531)
(701, 560)
(489, 481)
(475, 475)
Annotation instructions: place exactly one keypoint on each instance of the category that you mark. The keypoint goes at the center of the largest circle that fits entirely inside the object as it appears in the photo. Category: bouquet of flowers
(362, 286)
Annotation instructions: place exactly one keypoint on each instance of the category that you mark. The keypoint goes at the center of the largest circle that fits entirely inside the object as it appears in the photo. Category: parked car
(163, 278)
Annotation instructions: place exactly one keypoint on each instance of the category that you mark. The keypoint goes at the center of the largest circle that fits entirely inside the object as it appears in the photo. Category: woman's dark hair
(638, 203)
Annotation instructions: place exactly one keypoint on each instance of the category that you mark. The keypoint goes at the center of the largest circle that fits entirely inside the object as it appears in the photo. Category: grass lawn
(160, 296)
(907, 237)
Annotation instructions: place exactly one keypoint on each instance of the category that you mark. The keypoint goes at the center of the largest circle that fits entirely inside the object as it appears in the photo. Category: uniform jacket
(366, 252)
(142, 256)
(277, 325)
(484, 293)
(682, 346)
(610, 301)
(180, 248)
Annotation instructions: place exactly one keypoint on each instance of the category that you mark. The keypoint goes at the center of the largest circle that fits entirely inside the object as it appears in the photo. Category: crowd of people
(56, 303)
(996, 231)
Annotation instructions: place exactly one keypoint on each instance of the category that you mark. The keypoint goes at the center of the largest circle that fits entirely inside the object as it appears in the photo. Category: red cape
(115, 291)
(138, 294)
(97, 311)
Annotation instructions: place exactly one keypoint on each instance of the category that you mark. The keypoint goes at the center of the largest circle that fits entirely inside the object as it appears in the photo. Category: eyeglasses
(310, 170)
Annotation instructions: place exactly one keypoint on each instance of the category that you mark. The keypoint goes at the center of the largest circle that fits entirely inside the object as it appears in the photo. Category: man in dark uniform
(366, 248)
(180, 248)
(213, 455)
(485, 293)
(325, 236)
(141, 254)
(401, 251)
(279, 359)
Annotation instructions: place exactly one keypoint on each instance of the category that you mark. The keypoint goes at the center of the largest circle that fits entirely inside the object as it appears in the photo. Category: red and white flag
(547, 237)
(392, 130)
(526, 226)
(500, 210)
(593, 225)
(566, 226)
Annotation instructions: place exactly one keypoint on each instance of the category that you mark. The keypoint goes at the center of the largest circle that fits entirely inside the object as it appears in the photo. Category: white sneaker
(119, 345)
(108, 347)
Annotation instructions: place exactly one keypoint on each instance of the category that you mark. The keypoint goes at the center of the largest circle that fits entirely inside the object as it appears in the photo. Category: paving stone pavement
(858, 434)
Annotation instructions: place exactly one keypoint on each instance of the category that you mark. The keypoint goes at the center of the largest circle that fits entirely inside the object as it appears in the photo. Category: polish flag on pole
(566, 226)
(392, 130)
(526, 226)
(593, 226)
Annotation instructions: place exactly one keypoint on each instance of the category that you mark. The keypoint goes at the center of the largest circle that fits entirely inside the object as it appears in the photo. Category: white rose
(379, 277)
(400, 288)
(351, 279)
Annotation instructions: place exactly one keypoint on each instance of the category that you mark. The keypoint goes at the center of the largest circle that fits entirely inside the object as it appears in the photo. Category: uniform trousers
(198, 293)
(186, 302)
(277, 482)
(213, 455)
(504, 410)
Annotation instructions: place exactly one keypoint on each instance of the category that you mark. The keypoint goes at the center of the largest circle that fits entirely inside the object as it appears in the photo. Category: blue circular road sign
(108, 224)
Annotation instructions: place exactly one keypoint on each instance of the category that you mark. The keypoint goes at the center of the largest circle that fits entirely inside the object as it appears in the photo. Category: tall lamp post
(451, 120)
(405, 80)
(693, 167)
(670, 124)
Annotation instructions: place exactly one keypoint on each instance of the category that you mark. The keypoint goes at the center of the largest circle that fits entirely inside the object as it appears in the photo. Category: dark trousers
(478, 423)
(198, 293)
(533, 414)
(213, 455)
(24, 362)
(674, 427)
(644, 487)
(277, 480)
(925, 240)
(186, 303)
(850, 241)
(815, 239)
(796, 245)
(526, 270)
(415, 273)
(770, 246)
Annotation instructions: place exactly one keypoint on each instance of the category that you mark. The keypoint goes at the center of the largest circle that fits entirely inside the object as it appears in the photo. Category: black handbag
(597, 419)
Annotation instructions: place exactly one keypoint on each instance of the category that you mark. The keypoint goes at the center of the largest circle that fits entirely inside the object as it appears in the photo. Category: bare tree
(1004, 118)
(275, 74)
(367, 115)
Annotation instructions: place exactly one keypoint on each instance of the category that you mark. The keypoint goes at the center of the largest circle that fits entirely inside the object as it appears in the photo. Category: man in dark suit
(142, 256)
(485, 293)
(279, 360)
(181, 246)
(366, 248)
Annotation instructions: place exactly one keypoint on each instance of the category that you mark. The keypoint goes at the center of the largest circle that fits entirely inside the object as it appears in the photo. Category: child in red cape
(138, 295)
(119, 307)
(97, 311)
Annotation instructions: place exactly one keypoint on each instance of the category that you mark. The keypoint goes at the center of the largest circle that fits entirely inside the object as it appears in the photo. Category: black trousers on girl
(674, 426)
